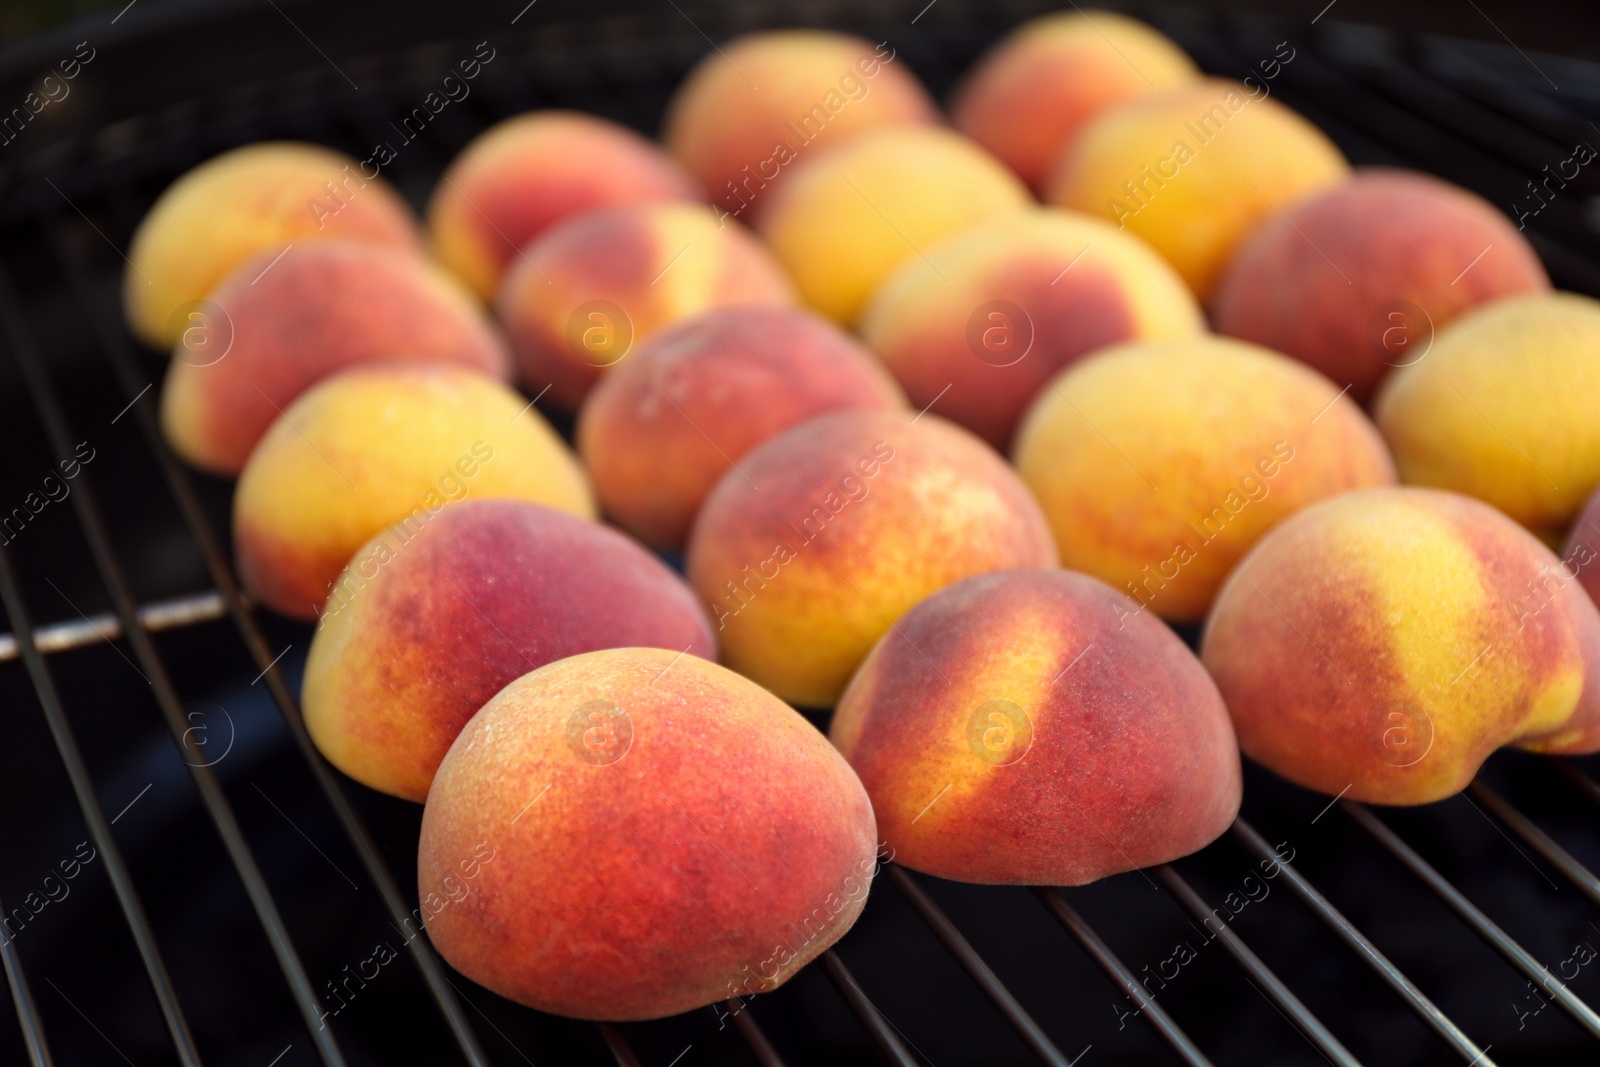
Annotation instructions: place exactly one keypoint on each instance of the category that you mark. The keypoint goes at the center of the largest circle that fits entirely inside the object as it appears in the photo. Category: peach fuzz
(262, 197)
(658, 432)
(845, 219)
(427, 626)
(829, 532)
(379, 444)
(1503, 409)
(279, 327)
(1159, 463)
(1012, 731)
(991, 315)
(1355, 280)
(750, 109)
(579, 298)
(526, 173)
(662, 834)
(1028, 96)
(1384, 643)
(1195, 169)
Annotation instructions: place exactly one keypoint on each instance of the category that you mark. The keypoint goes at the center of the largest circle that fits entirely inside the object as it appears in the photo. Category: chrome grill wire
(1396, 113)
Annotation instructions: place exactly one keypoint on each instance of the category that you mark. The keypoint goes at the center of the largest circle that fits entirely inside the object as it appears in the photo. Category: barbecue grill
(184, 880)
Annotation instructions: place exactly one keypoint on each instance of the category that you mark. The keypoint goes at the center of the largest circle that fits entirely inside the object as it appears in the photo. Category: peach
(749, 110)
(829, 532)
(1356, 280)
(1583, 548)
(1195, 169)
(1503, 409)
(658, 432)
(633, 833)
(277, 328)
(579, 298)
(1159, 463)
(1028, 96)
(259, 198)
(1012, 731)
(526, 173)
(425, 626)
(991, 315)
(380, 444)
(845, 219)
(1383, 643)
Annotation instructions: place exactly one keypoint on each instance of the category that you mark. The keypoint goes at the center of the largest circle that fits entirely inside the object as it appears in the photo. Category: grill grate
(1475, 114)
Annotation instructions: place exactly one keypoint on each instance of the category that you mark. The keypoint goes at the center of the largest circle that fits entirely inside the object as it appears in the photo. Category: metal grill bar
(1539, 841)
(759, 1045)
(22, 999)
(104, 626)
(1068, 916)
(211, 793)
(117, 349)
(619, 1046)
(1281, 995)
(1469, 913)
(980, 971)
(877, 1026)
(1346, 930)
(1576, 778)
(99, 829)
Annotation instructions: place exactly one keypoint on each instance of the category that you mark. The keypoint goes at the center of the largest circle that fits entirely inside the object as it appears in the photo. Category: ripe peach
(1159, 463)
(658, 432)
(749, 110)
(1582, 550)
(528, 172)
(384, 443)
(581, 296)
(1195, 169)
(1356, 280)
(1028, 96)
(660, 834)
(829, 532)
(277, 328)
(259, 198)
(847, 218)
(992, 314)
(425, 626)
(1503, 408)
(1012, 731)
(1384, 643)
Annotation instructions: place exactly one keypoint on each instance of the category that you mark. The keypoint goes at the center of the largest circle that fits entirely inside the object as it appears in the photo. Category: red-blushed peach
(280, 327)
(1503, 409)
(664, 835)
(1195, 169)
(1582, 551)
(1028, 96)
(261, 197)
(823, 536)
(658, 432)
(749, 110)
(424, 627)
(526, 173)
(380, 444)
(983, 322)
(1159, 463)
(1013, 729)
(845, 219)
(1383, 643)
(1356, 280)
(580, 297)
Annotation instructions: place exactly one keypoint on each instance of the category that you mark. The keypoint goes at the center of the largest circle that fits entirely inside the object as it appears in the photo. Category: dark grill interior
(228, 890)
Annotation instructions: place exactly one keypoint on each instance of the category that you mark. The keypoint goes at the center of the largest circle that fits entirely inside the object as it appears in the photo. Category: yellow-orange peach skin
(262, 196)
(1383, 643)
(1159, 463)
(1014, 729)
(829, 532)
(378, 444)
(1195, 169)
(660, 833)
